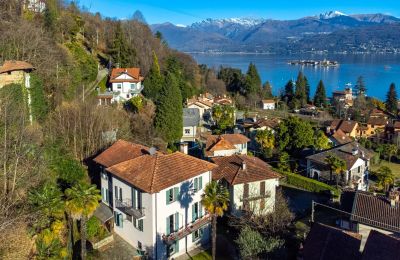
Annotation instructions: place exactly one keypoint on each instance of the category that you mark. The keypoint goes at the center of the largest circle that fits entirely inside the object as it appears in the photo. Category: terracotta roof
(325, 242)
(347, 126)
(12, 65)
(119, 152)
(153, 173)
(269, 101)
(224, 142)
(375, 210)
(230, 168)
(201, 103)
(271, 123)
(381, 246)
(341, 138)
(132, 72)
(378, 121)
(344, 152)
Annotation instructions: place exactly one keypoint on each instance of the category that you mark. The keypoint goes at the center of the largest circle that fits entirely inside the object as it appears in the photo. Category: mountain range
(332, 31)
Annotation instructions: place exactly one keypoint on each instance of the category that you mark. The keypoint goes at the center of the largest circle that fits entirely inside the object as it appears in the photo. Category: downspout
(156, 226)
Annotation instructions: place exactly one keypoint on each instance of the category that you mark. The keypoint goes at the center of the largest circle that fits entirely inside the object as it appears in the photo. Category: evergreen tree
(168, 120)
(300, 93)
(360, 87)
(252, 80)
(391, 99)
(307, 89)
(154, 81)
(121, 51)
(174, 66)
(267, 90)
(50, 15)
(289, 92)
(320, 95)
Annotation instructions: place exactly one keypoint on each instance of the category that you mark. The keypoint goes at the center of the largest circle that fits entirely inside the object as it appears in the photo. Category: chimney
(354, 151)
(184, 148)
(244, 165)
(152, 151)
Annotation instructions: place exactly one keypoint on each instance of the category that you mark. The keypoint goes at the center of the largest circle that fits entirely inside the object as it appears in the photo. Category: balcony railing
(126, 207)
(185, 231)
(256, 197)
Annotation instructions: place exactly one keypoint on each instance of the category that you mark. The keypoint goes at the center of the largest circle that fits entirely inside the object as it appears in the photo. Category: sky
(185, 12)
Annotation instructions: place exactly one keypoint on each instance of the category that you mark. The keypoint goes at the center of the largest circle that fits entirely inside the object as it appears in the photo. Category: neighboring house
(15, 72)
(201, 104)
(375, 123)
(223, 100)
(348, 127)
(381, 246)
(369, 211)
(125, 83)
(357, 161)
(339, 138)
(392, 133)
(344, 97)
(251, 183)
(155, 198)
(225, 145)
(191, 121)
(268, 104)
(326, 242)
(36, 6)
(105, 98)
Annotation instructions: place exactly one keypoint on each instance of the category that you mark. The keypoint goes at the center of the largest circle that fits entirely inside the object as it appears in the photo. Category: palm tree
(215, 200)
(391, 150)
(336, 165)
(82, 201)
(385, 177)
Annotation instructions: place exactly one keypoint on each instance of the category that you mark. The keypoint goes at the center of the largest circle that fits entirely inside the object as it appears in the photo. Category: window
(187, 131)
(104, 195)
(127, 95)
(119, 86)
(139, 245)
(359, 169)
(118, 195)
(118, 218)
(196, 211)
(172, 223)
(172, 195)
(196, 235)
(138, 224)
(133, 86)
(198, 183)
(174, 248)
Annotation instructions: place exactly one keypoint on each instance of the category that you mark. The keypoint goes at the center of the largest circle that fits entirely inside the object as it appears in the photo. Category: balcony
(185, 231)
(256, 197)
(126, 207)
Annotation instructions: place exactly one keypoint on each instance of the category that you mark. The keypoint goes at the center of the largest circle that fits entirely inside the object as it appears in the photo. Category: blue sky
(188, 11)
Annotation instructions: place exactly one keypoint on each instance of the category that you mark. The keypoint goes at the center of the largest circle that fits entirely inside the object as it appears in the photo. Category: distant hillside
(266, 35)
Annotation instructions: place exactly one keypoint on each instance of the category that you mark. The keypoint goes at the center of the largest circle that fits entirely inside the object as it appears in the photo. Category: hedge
(309, 184)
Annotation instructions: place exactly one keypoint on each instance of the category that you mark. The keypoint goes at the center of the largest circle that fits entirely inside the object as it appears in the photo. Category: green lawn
(395, 167)
(205, 255)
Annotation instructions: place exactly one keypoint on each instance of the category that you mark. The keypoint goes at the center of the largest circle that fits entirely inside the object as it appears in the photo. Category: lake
(378, 70)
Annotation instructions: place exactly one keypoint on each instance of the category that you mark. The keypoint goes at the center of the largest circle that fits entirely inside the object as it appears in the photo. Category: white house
(191, 121)
(37, 6)
(155, 198)
(251, 183)
(225, 145)
(357, 161)
(125, 83)
(268, 104)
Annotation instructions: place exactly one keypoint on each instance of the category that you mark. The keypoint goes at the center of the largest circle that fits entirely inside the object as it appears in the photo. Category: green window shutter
(200, 182)
(168, 230)
(196, 184)
(135, 223)
(167, 194)
(107, 196)
(121, 220)
(140, 224)
(102, 194)
(176, 221)
(116, 218)
(193, 213)
(177, 246)
(193, 237)
(200, 210)
(133, 197)
(176, 193)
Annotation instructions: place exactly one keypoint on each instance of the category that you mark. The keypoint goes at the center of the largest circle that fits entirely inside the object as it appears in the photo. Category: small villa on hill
(268, 104)
(357, 160)
(225, 145)
(251, 183)
(155, 198)
(15, 72)
(125, 83)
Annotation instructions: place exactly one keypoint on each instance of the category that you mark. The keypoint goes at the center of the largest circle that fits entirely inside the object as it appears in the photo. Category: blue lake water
(378, 70)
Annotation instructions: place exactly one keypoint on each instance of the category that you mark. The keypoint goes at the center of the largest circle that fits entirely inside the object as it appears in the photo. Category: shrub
(309, 184)
(95, 230)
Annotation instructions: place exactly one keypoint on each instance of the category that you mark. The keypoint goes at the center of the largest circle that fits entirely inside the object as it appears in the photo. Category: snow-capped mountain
(330, 14)
(246, 22)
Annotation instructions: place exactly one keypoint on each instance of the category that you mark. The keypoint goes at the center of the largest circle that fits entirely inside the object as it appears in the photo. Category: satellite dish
(152, 151)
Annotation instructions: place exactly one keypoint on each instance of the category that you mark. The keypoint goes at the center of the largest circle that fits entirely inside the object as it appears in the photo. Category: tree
(283, 164)
(307, 89)
(294, 134)
(215, 200)
(391, 99)
(251, 243)
(390, 150)
(266, 140)
(336, 165)
(385, 177)
(288, 92)
(267, 90)
(321, 141)
(252, 80)
(301, 94)
(360, 87)
(50, 15)
(82, 201)
(224, 117)
(320, 95)
(153, 82)
(121, 51)
(168, 121)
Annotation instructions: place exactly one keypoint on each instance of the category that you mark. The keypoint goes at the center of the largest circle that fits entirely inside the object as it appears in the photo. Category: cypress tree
(288, 92)
(391, 99)
(267, 90)
(307, 89)
(320, 95)
(169, 121)
(301, 94)
(252, 80)
(121, 51)
(154, 81)
(360, 87)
